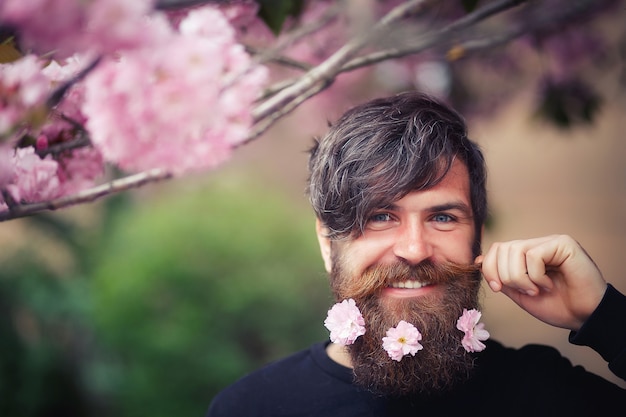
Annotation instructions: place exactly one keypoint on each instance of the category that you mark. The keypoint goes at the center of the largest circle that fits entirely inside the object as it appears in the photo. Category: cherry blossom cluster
(169, 91)
(346, 324)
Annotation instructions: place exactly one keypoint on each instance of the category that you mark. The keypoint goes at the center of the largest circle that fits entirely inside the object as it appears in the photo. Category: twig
(122, 184)
(432, 39)
(8, 199)
(81, 141)
(58, 94)
(181, 4)
(262, 126)
(274, 53)
(279, 59)
(328, 70)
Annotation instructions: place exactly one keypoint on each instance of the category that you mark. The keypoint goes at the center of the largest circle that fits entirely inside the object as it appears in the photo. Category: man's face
(385, 270)
(435, 224)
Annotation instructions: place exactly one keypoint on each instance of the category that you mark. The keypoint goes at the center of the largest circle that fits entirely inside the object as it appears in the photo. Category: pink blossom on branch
(64, 27)
(23, 90)
(33, 179)
(79, 169)
(402, 340)
(58, 73)
(345, 322)
(30, 179)
(475, 332)
(180, 106)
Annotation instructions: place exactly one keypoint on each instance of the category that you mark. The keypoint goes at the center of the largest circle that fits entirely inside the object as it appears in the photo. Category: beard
(442, 363)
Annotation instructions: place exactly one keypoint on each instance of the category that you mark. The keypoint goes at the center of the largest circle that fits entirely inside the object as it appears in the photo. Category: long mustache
(378, 277)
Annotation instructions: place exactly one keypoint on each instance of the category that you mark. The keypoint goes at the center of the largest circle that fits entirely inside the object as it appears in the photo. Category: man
(399, 194)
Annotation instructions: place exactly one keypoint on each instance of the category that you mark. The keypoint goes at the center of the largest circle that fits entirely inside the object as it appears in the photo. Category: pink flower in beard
(474, 332)
(345, 322)
(402, 340)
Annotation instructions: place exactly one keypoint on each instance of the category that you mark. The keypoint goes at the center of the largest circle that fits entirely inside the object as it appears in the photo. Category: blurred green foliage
(181, 295)
(40, 324)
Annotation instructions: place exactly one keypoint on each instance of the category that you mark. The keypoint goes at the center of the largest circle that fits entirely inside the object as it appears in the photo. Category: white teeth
(408, 284)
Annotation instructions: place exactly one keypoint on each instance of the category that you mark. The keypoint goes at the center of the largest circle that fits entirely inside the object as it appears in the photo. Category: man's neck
(339, 354)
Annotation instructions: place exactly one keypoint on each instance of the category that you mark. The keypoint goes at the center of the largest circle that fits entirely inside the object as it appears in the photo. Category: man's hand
(551, 277)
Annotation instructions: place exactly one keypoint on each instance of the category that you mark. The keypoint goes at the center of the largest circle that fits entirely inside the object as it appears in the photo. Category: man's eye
(380, 217)
(443, 218)
(380, 221)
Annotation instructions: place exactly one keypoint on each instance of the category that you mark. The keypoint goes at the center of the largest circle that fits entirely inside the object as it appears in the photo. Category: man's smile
(408, 284)
(408, 289)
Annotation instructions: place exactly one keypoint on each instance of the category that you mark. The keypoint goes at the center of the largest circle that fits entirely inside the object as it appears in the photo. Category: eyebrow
(455, 205)
(464, 208)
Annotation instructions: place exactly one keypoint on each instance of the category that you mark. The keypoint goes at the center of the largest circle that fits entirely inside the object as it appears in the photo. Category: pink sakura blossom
(33, 179)
(181, 106)
(23, 89)
(402, 340)
(243, 17)
(79, 169)
(58, 73)
(345, 322)
(474, 332)
(63, 27)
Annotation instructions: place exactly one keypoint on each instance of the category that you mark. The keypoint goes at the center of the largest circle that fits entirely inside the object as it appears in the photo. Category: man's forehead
(453, 185)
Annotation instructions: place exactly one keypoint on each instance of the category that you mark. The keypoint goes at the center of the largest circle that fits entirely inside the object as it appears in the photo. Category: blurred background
(151, 301)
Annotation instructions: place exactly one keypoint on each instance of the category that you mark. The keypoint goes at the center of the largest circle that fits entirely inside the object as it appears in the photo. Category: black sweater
(533, 381)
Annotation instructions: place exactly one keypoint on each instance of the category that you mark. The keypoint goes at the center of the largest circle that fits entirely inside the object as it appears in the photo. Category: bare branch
(181, 4)
(87, 196)
(432, 39)
(290, 38)
(279, 59)
(326, 72)
(58, 94)
(482, 13)
(81, 141)
(288, 108)
(8, 199)
(463, 49)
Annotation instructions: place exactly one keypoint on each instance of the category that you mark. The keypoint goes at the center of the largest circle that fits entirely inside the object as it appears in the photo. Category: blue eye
(380, 221)
(380, 217)
(443, 218)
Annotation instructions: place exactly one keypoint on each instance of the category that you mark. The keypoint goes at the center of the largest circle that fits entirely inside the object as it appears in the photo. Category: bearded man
(399, 194)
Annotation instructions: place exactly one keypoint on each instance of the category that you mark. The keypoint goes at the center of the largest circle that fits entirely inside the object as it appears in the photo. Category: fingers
(551, 277)
(520, 265)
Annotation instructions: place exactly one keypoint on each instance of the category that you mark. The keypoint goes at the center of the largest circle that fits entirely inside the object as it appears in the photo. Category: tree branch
(181, 4)
(288, 108)
(292, 37)
(115, 186)
(326, 72)
(433, 39)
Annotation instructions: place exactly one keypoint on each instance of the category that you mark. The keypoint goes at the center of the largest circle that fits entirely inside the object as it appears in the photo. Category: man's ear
(324, 241)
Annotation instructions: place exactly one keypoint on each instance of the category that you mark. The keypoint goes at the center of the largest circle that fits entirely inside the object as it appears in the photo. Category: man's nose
(412, 244)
